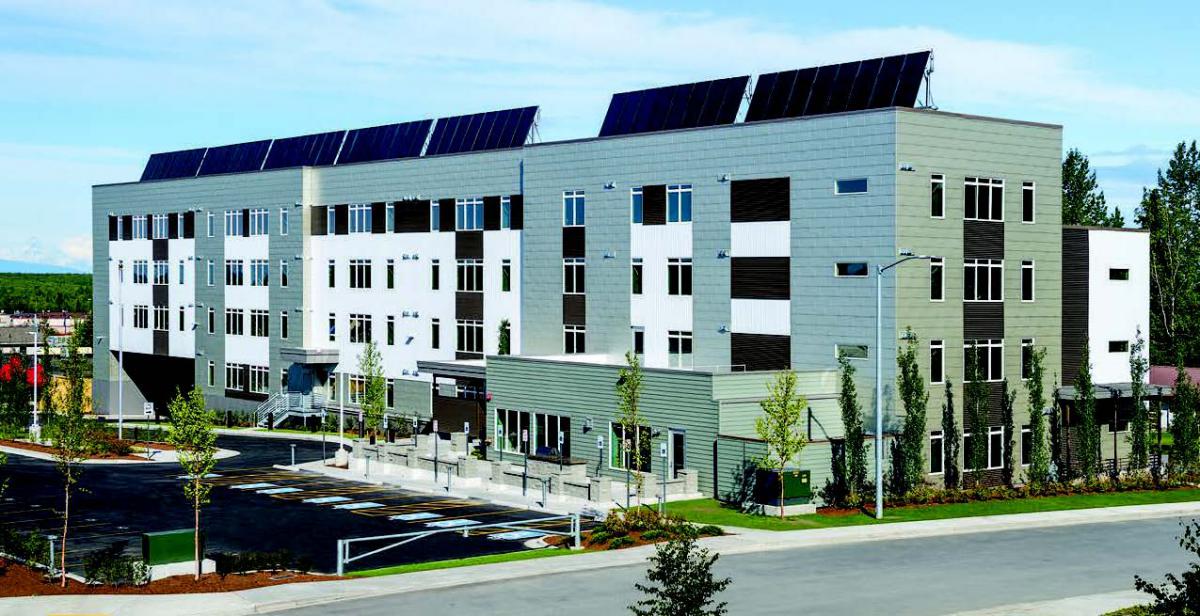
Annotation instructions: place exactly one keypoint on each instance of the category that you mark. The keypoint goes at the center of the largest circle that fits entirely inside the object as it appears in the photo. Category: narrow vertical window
(1028, 198)
(210, 271)
(1027, 281)
(434, 214)
(391, 330)
(937, 279)
(283, 324)
(635, 205)
(390, 217)
(212, 321)
(505, 276)
(435, 275)
(332, 273)
(391, 273)
(937, 354)
(573, 208)
(937, 195)
(212, 373)
(435, 334)
(935, 452)
(283, 272)
(332, 327)
(284, 221)
(1026, 357)
(637, 276)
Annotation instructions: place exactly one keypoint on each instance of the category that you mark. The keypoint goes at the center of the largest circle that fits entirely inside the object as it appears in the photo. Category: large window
(162, 319)
(260, 271)
(260, 323)
(233, 223)
(937, 361)
(360, 328)
(937, 279)
(360, 218)
(141, 317)
(234, 322)
(635, 205)
(573, 208)
(470, 336)
(546, 431)
(162, 227)
(937, 195)
(1028, 195)
(161, 272)
(983, 280)
(679, 276)
(679, 349)
(988, 356)
(233, 272)
(574, 339)
(234, 375)
(574, 276)
(983, 199)
(260, 221)
(936, 443)
(1027, 281)
(679, 203)
(141, 271)
(139, 228)
(468, 214)
(623, 441)
(259, 379)
(993, 449)
(470, 275)
(360, 273)
(509, 427)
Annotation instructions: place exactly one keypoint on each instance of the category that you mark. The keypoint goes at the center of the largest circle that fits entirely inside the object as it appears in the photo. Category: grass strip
(506, 557)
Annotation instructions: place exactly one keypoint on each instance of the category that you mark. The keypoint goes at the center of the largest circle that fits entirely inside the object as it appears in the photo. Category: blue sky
(89, 89)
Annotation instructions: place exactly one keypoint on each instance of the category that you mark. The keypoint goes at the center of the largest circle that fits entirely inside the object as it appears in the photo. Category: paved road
(937, 575)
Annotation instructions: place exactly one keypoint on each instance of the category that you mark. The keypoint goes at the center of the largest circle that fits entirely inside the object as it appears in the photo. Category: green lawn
(464, 562)
(710, 511)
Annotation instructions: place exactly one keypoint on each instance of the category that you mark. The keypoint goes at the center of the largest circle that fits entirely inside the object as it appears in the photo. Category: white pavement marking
(324, 500)
(279, 491)
(412, 517)
(450, 523)
(355, 506)
(517, 535)
(253, 486)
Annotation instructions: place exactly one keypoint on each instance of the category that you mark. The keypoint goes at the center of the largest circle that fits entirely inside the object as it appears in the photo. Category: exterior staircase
(282, 405)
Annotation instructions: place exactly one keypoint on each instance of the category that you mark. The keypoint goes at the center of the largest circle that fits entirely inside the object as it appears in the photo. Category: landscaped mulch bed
(100, 456)
(17, 580)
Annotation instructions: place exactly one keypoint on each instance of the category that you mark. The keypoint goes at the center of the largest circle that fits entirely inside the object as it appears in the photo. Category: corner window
(851, 270)
(1028, 193)
(679, 203)
(850, 187)
(635, 205)
(937, 195)
(983, 199)
(1027, 281)
(851, 351)
(573, 208)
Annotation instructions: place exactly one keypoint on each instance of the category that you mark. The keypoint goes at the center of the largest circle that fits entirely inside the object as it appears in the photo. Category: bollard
(575, 529)
(293, 454)
(52, 568)
(340, 553)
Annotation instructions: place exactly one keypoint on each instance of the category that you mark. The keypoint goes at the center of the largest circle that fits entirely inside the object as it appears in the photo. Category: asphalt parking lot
(255, 507)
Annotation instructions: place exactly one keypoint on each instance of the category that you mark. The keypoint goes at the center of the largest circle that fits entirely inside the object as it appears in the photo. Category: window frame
(837, 351)
(575, 203)
(973, 183)
(468, 214)
(637, 212)
(847, 186)
(359, 218)
(681, 340)
(360, 325)
(1029, 188)
(939, 264)
(637, 276)
(940, 346)
(1027, 347)
(468, 275)
(838, 268)
(260, 221)
(679, 276)
(468, 336)
(682, 194)
(992, 346)
(937, 193)
(940, 438)
(991, 265)
(574, 276)
(578, 338)
(285, 223)
(1028, 264)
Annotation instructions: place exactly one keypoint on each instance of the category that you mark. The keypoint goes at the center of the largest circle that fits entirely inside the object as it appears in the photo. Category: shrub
(30, 547)
(247, 562)
(655, 534)
(598, 536)
(709, 530)
(111, 567)
(620, 542)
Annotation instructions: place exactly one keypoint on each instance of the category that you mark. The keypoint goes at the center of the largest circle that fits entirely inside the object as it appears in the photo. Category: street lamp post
(36, 429)
(120, 353)
(906, 255)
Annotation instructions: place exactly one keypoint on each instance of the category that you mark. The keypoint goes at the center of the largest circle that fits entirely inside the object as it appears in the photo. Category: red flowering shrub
(41, 376)
(10, 369)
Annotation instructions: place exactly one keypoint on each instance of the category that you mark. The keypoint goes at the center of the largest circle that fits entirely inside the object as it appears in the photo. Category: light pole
(906, 255)
(120, 353)
(36, 429)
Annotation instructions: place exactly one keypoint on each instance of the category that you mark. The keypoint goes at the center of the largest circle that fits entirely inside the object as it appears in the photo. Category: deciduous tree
(71, 437)
(374, 396)
(680, 582)
(629, 417)
(781, 426)
(195, 443)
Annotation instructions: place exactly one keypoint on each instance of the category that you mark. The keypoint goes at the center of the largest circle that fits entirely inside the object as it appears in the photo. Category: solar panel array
(508, 128)
(893, 81)
(689, 105)
(235, 158)
(385, 142)
(306, 150)
(167, 165)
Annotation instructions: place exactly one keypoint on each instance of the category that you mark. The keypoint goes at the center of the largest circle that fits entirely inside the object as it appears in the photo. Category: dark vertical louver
(379, 217)
(491, 213)
(189, 225)
(246, 222)
(760, 351)
(517, 211)
(112, 229)
(760, 278)
(319, 223)
(127, 227)
(341, 219)
(173, 226)
(654, 205)
(1075, 292)
(445, 214)
(760, 200)
(573, 242)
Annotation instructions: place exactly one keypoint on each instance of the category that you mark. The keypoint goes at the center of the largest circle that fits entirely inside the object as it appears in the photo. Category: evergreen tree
(975, 405)
(1089, 428)
(910, 384)
(373, 398)
(681, 582)
(1184, 425)
(1063, 471)
(1139, 425)
(855, 447)
(1007, 423)
(1039, 456)
(504, 338)
(951, 476)
(1117, 220)
(1082, 201)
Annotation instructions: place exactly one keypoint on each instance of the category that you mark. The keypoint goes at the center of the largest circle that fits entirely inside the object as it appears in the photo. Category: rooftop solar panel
(306, 150)
(689, 105)
(168, 165)
(387, 142)
(893, 81)
(235, 158)
(506, 128)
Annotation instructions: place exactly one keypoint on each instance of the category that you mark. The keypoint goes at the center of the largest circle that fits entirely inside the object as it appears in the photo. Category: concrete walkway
(160, 456)
(746, 541)
(1087, 605)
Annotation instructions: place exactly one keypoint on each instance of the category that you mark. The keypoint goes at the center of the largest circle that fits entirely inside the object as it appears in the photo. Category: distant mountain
(25, 267)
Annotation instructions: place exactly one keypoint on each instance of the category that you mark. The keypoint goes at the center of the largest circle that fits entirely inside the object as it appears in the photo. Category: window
(546, 431)
(234, 322)
(1027, 281)
(679, 349)
(510, 425)
(983, 199)
(259, 379)
(209, 226)
(360, 218)
(233, 272)
(470, 336)
(212, 373)
(259, 324)
(389, 216)
(1118, 346)
(162, 227)
(505, 276)
(856, 270)
(390, 400)
(937, 195)
(285, 225)
(332, 327)
(161, 271)
(1026, 445)
(391, 273)
(1026, 358)
(937, 279)
(637, 276)
(573, 276)
(1028, 193)
(850, 187)
(435, 275)
(283, 324)
(983, 280)
(360, 328)
(360, 273)
(468, 214)
(434, 212)
(935, 452)
(212, 321)
(179, 224)
(120, 227)
(635, 205)
(141, 271)
(505, 213)
(391, 330)
(181, 272)
(470, 275)
(639, 341)
(233, 223)
(851, 351)
(233, 376)
(259, 272)
(679, 276)
(574, 339)
(332, 273)
(181, 318)
(162, 319)
(141, 317)
(993, 449)
(331, 219)
(139, 228)
(573, 208)
(283, 272)
(937, 361)
(283, 379)
(260, 221)
(1116, 273)
(435, 334)
(988, 356)
(623, 441)
(210, 272)
(679, 203)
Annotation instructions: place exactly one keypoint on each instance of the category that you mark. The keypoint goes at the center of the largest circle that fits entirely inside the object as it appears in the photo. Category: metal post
(662, 493)
(293, 454)
(341, 413)
(525, 467)
(544, 491)
(575, 529)
(628, 473)
(52, 539)
(36, 428)
(434, 434)
(323, 455)
(341, 552)
(878, 393)
(120, 353)
(367, 471)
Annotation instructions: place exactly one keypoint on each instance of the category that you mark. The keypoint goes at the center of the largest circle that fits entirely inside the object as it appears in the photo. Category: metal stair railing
(265, 410)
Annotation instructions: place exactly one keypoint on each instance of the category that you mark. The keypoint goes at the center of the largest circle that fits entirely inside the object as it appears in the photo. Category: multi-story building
(504, 280)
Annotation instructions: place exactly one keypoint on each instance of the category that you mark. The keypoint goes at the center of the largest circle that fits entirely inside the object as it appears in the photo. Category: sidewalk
(283, 597)
(1086, 605)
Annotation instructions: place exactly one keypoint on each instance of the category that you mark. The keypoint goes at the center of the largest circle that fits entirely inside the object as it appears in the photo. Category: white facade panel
(181, 293)
(498, 247)
(246, 349)
(1116, 308)
(656, 311)
(761, 316)
(761, 239)
(133, 340)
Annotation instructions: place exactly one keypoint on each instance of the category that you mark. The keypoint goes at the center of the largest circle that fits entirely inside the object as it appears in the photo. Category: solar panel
(689, 105)
(893, 81)
(235, 158)
(168, 165)
(306, 150)
(386, 142)
(506, 128)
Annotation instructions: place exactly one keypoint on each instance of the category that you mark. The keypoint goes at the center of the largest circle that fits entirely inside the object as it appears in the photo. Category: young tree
(910, 383)
(680, 582)
(504, 339)
(195, 442)
(951, 476)
(1089, 429)
(855, 449)
(71, 436)
(374, 395)
(1184, 427)
(1007, 423)
(629, 417)
(1082, 201)
(1139, 425)
(1176, 595)
(1059, 444)
(781, 426)
(975, 405)
(1039, 457)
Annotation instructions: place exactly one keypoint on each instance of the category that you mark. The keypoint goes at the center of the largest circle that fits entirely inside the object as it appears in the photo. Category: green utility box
(797, 487)
(169, 546)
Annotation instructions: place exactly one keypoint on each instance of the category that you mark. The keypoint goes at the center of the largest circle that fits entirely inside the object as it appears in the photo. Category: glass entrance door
(678, 452)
